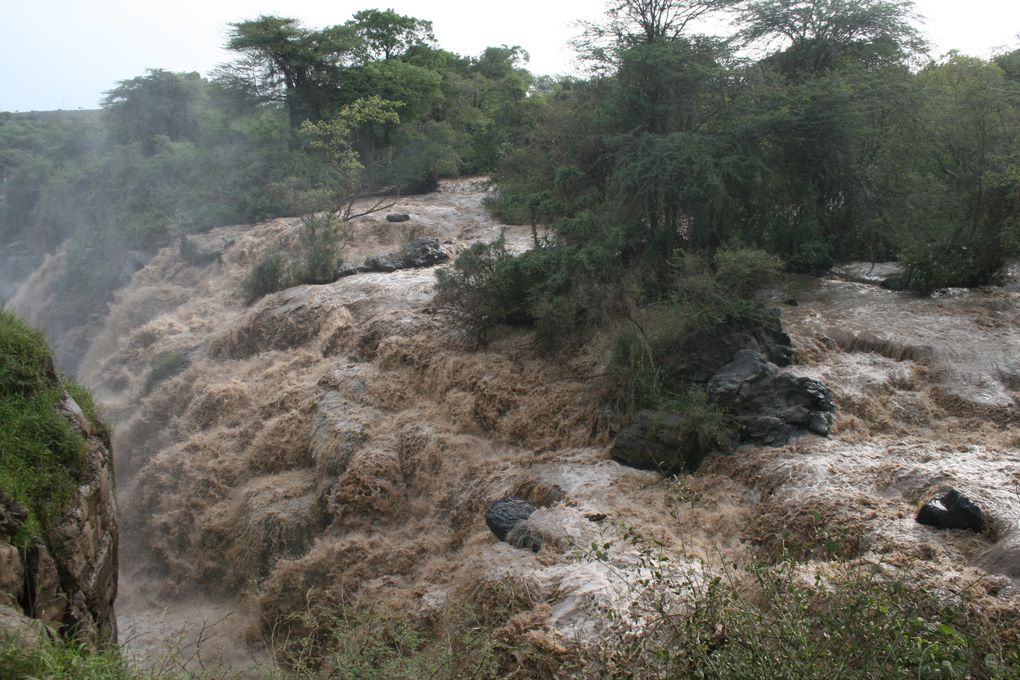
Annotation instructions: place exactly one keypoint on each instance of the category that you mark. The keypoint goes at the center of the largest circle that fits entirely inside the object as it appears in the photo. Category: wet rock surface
(655, 441)
(398, 217)
(68, 580)
(421, 252)
(770, 406)
(504, 515)
(952, 510)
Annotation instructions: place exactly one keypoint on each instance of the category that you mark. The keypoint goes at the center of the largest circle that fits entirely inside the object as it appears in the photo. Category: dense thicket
(841, 142)
(281, 130)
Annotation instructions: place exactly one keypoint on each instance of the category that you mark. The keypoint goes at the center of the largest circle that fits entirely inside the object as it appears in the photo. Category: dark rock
(655, 441)
(398, 217)
(346, 269)
(506, 513)
(383, 263)
(770, 407)
(952, 510)
(521, 536)
(792, 302)
(12, 515)
(703, 353)
(424, 252)
(894, 283)
(421, 252)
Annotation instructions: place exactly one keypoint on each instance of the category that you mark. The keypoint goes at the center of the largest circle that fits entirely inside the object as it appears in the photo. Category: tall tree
(384, 34)
(816, 33)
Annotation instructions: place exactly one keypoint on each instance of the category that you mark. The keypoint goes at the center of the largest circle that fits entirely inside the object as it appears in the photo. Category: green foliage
(42, 458)
(57, 660)
(321, 241)
(313, 259)
(375, 642)
(664, 347)
(268, 275)
(841, 620)
(165, 366)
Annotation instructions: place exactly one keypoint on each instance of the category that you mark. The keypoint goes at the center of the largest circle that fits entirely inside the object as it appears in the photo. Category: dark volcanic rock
(424, 252)
(655, 441)
(346, 269)
(398, 217)
(952, 510)
(703, 353)
(383, 263)
(769, 406)
(421, 252)
(505, 514)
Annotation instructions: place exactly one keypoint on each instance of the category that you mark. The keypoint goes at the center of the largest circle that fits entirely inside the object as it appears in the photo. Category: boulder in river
(505, 514)
(952, 510)
(398, 217)
(768, 405)
(656, 441)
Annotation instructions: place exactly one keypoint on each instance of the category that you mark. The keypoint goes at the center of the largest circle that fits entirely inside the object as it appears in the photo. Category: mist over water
(340, 440)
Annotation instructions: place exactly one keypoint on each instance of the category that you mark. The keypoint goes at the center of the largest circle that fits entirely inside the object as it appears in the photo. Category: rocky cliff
(58, 527)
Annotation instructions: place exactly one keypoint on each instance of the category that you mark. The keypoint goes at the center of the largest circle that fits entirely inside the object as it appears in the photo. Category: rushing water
(337, 440)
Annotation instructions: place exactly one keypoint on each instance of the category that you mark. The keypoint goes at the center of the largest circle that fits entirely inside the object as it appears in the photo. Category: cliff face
(68, 579)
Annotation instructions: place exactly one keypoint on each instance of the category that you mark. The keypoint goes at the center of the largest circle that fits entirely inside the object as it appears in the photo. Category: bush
(843, 620)
(320, 244)
(165, 366)
(946, 264)
(666, 346)
(470, 293)
(267, 276)
(321, 241)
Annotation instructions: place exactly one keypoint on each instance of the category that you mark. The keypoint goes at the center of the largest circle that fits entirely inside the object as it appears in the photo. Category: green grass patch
(42, 458)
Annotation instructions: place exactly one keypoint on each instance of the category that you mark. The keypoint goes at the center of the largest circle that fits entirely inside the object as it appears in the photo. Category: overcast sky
(65, 53)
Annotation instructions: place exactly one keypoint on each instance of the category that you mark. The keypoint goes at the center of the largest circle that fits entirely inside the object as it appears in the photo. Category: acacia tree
(386, 34)
(816, 33)
(283, 61)
(630, 23)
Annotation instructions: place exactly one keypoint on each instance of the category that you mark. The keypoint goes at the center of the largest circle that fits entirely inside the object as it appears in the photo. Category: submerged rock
(952, 510)
(421, 252)
(505, 514)
(655, 441)
(769, 406)
(424, 252)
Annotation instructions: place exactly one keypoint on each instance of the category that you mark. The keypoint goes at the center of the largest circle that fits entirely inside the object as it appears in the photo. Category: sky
(64, 54)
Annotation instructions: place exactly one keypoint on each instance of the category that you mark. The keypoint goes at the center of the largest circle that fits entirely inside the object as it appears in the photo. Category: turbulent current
(339, 441)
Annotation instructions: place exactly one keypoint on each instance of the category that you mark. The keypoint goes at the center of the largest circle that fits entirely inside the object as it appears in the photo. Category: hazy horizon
(65, 55)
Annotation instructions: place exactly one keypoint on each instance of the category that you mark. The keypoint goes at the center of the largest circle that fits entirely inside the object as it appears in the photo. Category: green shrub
(744, 271)
(56, 660)
(42, 458)
(321, 241)
(165, 366)
(470, 294)
(314, 260)
(375, 642)
(946, 264)
(843, 621)
(267, 276)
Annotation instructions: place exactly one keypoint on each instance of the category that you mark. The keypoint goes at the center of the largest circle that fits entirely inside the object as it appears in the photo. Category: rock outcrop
(770, 406)
(504, 515)
(656, 441)
(68, 579)
(421, 252)
(952, 510)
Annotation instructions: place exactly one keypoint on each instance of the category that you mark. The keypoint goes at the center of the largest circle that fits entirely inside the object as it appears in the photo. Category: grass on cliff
(42, 458)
